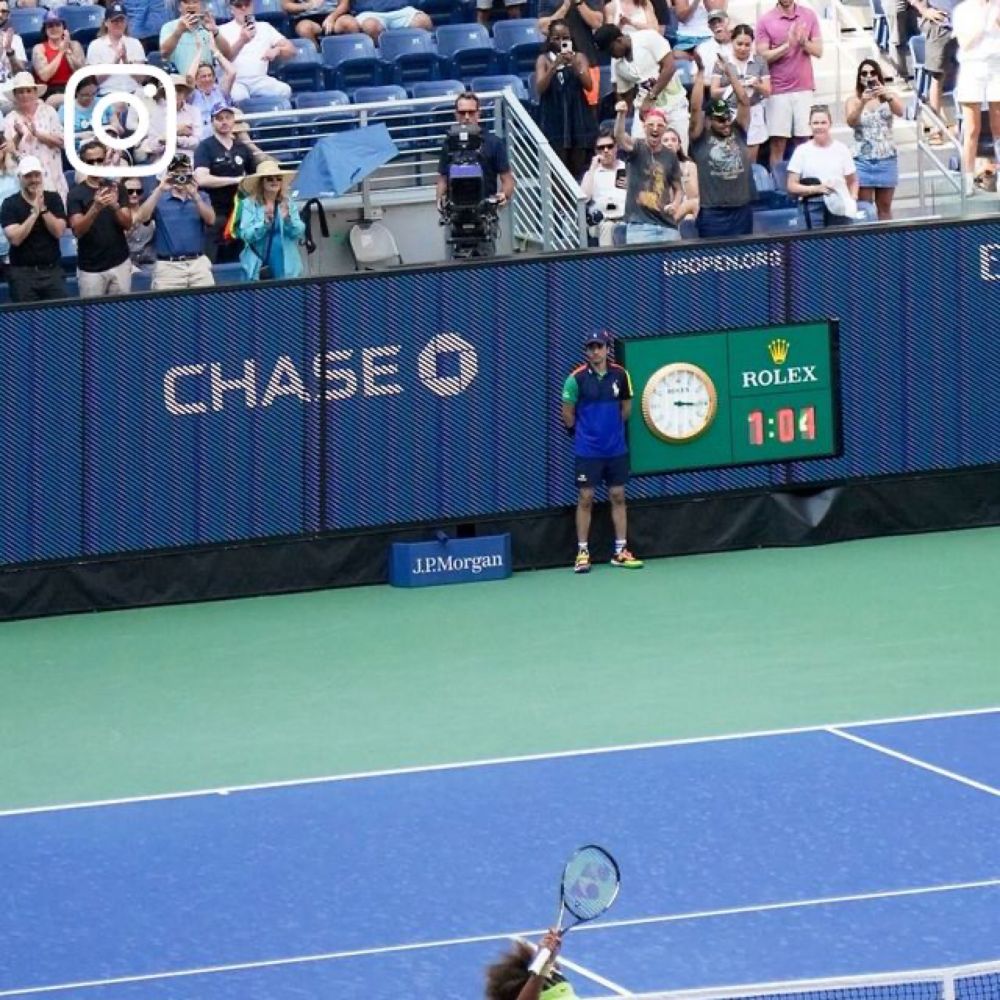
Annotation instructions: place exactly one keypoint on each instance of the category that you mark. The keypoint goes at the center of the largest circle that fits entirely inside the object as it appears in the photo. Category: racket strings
(590, 883)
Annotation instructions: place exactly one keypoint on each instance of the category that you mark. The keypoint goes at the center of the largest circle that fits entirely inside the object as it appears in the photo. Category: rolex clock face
(679, 402)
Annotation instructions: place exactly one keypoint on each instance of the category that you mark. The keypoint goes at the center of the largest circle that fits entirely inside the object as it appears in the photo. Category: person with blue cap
(596, 403)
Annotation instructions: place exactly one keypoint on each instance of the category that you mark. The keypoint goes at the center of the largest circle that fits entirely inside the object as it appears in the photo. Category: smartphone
(620, 177)
(251, 19)
(566, 45)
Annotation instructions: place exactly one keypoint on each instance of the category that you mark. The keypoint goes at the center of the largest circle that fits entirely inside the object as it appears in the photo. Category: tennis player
(509, 979)
(596, 403)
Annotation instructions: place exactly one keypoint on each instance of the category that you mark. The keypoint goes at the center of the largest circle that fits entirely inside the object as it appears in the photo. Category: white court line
(915, 761)
(587, 973)
(491, 762)
(485, 938)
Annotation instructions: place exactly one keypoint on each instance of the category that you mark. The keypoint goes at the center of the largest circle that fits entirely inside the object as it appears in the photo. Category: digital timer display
(772, 393)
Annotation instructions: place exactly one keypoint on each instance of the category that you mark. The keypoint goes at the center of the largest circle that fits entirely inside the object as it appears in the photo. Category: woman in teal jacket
(270, 226)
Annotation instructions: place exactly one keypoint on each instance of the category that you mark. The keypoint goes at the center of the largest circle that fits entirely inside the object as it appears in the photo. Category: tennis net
(969, 982)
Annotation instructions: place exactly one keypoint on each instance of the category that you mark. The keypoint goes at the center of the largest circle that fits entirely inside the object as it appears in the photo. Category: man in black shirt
(33, 220)
(99, 224)
(221, 161)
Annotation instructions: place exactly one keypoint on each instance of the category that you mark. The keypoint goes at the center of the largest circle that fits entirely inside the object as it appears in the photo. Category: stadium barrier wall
(352, 406)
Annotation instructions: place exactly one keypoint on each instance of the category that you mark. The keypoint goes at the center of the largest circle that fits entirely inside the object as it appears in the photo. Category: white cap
(28, 165)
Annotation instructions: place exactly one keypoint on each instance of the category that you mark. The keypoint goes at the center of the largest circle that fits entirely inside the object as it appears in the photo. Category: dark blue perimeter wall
(189, 419)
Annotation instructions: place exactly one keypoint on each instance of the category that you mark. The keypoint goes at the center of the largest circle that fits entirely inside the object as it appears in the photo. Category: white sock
(582, 547)
(619, 545)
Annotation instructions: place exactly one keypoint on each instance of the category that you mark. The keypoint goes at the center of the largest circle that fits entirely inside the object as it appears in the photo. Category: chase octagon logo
(448, 365)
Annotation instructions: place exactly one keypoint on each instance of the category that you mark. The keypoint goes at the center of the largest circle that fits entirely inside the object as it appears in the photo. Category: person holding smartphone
(604, 185)
(870, 111)
(562, 77)
(180, 38)
(99, 223)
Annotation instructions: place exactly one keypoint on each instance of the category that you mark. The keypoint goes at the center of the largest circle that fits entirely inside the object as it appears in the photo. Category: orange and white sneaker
(582, 564)
(626, 560)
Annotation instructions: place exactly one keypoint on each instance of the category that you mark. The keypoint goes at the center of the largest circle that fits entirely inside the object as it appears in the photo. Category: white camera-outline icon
(120, 171)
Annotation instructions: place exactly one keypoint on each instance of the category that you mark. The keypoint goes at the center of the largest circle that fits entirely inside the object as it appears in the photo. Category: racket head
(590, 884)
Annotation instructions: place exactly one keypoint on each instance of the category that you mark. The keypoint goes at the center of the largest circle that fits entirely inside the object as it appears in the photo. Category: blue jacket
(254, 231)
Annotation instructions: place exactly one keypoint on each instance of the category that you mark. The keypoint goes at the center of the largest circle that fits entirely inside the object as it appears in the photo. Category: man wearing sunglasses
(140, 234)
(99, 224)
(604, 185)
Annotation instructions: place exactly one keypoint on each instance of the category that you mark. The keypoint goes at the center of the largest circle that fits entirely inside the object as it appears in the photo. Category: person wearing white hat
(270, 225)
(33, 220)
(34, 129)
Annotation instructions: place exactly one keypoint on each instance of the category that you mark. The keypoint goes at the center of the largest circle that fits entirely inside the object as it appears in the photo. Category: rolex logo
(778, 349)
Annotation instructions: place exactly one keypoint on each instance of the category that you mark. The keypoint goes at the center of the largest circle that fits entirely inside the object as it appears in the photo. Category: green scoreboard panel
(707, 400)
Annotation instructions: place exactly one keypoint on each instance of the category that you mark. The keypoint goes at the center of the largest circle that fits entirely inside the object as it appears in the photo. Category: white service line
(915, 761)
(485, 938)
(491, 762)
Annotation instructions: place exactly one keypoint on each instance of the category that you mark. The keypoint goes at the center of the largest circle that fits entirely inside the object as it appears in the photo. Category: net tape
(971, 982)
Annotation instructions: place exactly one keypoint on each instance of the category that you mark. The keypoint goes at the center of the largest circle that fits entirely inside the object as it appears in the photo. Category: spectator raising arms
(753, 74)
(179, 39)
(252, 47)
(691, 202)
(870, 111)
(583, 18)
(822, 172)
(13, 58)
(207, 90)
(33, 129)
(725, 176)
(56, 58)
(562, 77)
(631, 15)
(977, 30)
(270, 226)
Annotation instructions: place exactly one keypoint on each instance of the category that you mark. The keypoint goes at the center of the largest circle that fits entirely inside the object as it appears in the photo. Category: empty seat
(777, 220)
(482, 84)
(320, 99)
(27, 22)
(273, 12)
(438, 88)
(350, 61)
(259, 105)
(410, 54)
(374, 247)
(466, 50)
(519, 41)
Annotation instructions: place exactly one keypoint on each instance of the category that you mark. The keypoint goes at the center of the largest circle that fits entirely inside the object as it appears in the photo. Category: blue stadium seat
(880, 25)
(67, 249)
(273, 12)
(258, 105)
(482, 84)
(410, 54)
(228, 274)
(220, 10)
(780, 174)
(350, 61)
(437, 88)
(155, 58)
(27, 22)
(466, 50)
(83, 23)
(320, 99)
(372, 95)
(762, 180)
(777, 220)
(519, 41)
(304, 70)
(142, 280)
(150, 37)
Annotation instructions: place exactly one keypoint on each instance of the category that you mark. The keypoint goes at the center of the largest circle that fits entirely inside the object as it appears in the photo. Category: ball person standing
(596, 403)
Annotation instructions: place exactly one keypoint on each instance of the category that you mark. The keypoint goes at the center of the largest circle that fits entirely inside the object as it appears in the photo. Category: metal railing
(956, 181)
(548, 210)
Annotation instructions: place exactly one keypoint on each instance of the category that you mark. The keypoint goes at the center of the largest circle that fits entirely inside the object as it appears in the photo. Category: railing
(548, 209)
(957, 181)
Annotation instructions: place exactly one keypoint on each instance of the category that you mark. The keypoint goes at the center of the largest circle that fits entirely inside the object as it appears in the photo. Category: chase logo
(448, 365)
(989, 261)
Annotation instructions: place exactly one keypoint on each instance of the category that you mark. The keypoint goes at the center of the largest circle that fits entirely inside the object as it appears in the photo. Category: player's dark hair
(506, 977)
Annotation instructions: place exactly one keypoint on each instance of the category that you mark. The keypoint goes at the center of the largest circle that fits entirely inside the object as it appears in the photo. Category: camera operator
(604, 185)
(492, 155)
(99, 224)
(183, 214)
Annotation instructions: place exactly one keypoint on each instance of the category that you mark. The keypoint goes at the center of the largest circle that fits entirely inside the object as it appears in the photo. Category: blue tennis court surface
(816, 853)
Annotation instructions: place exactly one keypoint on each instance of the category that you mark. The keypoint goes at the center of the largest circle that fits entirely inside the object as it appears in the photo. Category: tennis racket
(589, 886)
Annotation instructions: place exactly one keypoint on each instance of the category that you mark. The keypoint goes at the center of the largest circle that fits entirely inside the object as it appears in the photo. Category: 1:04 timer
(787, 425)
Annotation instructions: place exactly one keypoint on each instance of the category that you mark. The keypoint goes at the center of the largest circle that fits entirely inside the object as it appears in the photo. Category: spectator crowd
(665, 144)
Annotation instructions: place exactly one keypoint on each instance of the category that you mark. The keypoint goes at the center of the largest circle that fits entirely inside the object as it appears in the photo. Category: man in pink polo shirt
(788, 39)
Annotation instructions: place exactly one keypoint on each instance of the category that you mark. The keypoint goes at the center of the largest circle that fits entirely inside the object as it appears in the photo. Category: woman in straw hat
(269, 225)
(34, 129)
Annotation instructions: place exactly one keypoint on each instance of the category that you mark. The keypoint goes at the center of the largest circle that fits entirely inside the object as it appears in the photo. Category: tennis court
(812, 788)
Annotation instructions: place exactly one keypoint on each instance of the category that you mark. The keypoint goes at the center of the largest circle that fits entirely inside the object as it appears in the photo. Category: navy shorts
(591, 472)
